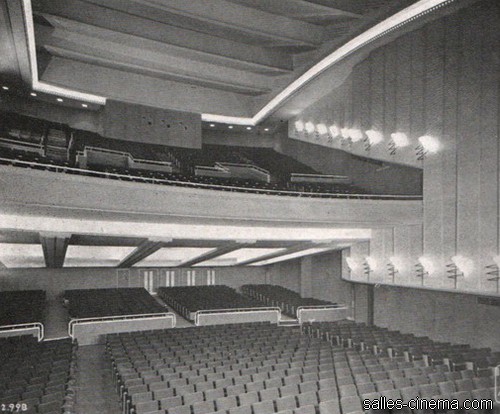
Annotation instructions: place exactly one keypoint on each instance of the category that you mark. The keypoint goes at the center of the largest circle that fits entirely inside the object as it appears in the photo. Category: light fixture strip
(391, 23)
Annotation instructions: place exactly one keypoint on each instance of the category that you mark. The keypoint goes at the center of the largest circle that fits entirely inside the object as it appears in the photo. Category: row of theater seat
(186, 300)
(53, 151)
(286, 299)
(186, 159)
(91, 303)
(36, 377)
(21, 306)
(34, 161)
(221, 371)
(261, 369)
(359, 378)
(135, 149)
(394, 343)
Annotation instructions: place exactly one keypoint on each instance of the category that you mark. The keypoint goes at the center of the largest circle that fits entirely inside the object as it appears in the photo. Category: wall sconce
(370, 265)
(299, 126)
(372, 138)
(459, 266)
(321, 129)
(394, 266)
(346, 138)
(352, 264)
(355, 134)
(334, 131)
(424, 267)
(427, 144)
(398, 140)
(309, 127)
(494, 272)
(344, 132)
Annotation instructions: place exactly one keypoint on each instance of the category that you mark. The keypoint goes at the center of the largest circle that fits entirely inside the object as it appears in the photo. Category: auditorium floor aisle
(96, 392)
(56, 320)
(180, 321)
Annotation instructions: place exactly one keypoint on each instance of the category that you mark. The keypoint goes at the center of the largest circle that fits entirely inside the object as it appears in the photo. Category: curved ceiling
(234, 61)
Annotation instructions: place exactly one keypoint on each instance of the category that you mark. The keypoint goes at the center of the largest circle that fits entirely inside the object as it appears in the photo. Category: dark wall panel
(151, 125)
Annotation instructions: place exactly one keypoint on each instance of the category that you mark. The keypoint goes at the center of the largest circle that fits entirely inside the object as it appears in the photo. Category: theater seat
(203, 407)
(307, 409)
(351, 404)
(331, 407)
(146, 407)
(263, 407)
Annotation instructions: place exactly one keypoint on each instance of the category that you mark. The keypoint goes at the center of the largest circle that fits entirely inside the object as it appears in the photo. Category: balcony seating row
(21, 306)
(95, 303)
(274, 295)
(186, 300)
(49, 144)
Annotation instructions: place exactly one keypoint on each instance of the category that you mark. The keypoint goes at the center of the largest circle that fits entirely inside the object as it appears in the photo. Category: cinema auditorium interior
(249, 206)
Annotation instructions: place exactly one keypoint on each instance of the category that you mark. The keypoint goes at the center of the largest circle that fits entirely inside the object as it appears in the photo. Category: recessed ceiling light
(33, 94)
(249, 128)
(85, 105)
(266, 129)
(230, 127)
(212, 125)
(59, 99)
(5, 88)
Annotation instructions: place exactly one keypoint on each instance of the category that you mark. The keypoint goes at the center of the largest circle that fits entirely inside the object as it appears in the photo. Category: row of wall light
(34, 95)
(248, 128)
(427, 144)
(459, 266)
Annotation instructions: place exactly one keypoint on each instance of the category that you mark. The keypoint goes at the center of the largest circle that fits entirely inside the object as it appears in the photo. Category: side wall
(442, 316)
(317, 276)
(286, 274)
(456, 99)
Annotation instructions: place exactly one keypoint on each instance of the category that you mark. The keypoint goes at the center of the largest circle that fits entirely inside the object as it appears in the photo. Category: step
(288, 322)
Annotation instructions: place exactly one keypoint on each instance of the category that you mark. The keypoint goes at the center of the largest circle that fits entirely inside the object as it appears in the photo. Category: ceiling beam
(164, 73)
(145, 249)
(54, 249)
(219, 251)
(298, 9)
(92, 36)
(126, 58)
(294, 249)
(224, 19)
(351, 6)
(145, 90)
(207, 46)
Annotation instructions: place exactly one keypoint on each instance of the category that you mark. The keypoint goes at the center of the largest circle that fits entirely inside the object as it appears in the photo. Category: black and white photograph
(250, 206)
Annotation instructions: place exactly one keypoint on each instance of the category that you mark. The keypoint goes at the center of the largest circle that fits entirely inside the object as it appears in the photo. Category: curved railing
(101, 174)
(22, 327)
(110, 319)
(316, 311)
(236, 311)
